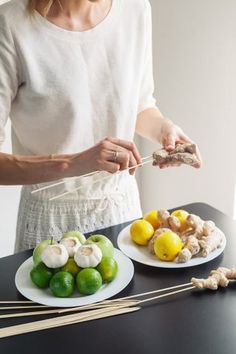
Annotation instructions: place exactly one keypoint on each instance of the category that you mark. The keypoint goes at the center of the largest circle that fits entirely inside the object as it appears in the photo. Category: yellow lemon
(153, 218)
(182, 216)
(141, 231)
(167, 246)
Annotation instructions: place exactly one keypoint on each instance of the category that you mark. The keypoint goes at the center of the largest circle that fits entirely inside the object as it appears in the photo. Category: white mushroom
(71, 244)
(54, 256)
(88, 256)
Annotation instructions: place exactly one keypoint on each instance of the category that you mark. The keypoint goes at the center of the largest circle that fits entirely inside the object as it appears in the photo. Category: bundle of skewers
(182, 154)
(107, 308)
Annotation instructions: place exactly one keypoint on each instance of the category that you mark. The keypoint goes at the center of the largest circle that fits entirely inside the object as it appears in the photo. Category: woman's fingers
(128, 145)
(185, 139)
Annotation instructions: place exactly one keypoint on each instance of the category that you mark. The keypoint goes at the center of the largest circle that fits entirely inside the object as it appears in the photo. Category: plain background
(195, 70)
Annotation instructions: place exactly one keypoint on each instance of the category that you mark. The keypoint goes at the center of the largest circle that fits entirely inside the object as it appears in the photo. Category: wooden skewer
(63, 321)
(96, 305)
(17, 302)
(23, 307)
(100, 179)
(72, 309)
(85, 316)
(61, 182)
(73, 178)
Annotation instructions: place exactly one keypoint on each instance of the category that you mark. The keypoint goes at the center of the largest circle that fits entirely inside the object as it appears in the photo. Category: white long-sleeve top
(65, 90)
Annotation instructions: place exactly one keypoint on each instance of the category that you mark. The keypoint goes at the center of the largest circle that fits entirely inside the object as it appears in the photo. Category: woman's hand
(110, 154)
(170, 135)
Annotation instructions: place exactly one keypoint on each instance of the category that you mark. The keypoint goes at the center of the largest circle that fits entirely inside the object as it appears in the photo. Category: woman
(73, 72)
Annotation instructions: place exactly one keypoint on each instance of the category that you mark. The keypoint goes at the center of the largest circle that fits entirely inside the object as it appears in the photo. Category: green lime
(108, 269)
(41, 275)
(71, 267)
(62, 284)
(88, 281)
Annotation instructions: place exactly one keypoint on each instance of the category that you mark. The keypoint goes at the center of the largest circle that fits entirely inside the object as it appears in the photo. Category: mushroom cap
(54, 256)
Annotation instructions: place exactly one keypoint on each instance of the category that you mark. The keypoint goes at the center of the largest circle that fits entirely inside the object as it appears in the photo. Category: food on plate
(77, 234)
(71, 244)
(88, 256)
(54, 256)
(108, 268)
(167, 245)
(198, 237)
(62, 284)
(103, 243)
(152, 218)
(88, 281)
(141, 231)
(218, 277)
(71, 267)
(61, 264)
(39, 249)
(181, 215)
(183, 153)
(41, 275)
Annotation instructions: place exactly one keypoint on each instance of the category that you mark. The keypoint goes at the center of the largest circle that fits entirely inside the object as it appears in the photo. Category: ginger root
(210, 243)
(191, 248)
(218, 277)
(183, 153)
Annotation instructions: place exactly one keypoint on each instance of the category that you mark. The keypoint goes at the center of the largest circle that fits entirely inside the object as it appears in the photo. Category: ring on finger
(115, 156)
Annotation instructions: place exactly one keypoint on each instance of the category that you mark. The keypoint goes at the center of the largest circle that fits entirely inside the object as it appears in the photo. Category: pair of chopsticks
(103, 309)
(145, 160)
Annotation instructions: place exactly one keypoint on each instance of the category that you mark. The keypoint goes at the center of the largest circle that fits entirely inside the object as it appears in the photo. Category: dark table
(197, 322)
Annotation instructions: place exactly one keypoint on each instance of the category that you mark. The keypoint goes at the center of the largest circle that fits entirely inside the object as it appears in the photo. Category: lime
(41, 275)
(62, 284)
(108, 268)
(71, 267)
(88, 281)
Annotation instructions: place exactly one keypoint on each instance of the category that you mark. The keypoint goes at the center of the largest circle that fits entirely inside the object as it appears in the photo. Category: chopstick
(78, 177)
(100, 179)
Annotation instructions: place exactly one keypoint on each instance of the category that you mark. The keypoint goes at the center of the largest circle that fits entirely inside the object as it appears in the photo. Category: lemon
(41, 275)
(152, 218)
(167, 246)
(71, 267)
(88, 281)
(108, 268)
(141, 231)
(182, 216)
(62, 284)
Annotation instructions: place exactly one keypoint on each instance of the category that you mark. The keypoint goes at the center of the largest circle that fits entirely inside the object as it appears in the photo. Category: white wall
(194, 61)
(195, 70)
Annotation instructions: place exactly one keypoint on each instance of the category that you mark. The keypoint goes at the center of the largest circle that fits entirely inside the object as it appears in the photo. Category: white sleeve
(9, 76)
(146, 98)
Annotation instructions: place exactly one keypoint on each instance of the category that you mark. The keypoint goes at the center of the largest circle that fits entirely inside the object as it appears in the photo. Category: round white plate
(44, 296)
(142, 255)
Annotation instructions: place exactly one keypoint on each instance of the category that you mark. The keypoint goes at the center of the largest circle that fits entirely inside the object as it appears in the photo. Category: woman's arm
(109, 155)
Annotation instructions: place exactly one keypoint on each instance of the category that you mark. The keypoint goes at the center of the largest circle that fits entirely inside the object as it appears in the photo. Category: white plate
(44, 296)
(142, 255)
